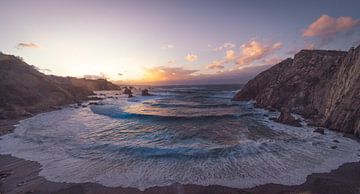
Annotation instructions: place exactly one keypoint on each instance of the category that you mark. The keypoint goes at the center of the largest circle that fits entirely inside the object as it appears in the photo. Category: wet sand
(22, 176)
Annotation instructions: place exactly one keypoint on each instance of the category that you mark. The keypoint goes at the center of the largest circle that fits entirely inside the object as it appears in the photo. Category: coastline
(22, 176)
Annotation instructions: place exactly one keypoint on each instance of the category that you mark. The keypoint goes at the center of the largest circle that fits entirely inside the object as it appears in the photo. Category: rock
(130, 96)
(286, 118)
(145, 92)
(321, 85)
(333, 147)
(320, 130)
(127, 91)
(336, 141)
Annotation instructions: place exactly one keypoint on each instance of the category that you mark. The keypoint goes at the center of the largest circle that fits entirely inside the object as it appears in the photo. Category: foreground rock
(25, 91)
(286, 118)
(320, 85)
(320, 130)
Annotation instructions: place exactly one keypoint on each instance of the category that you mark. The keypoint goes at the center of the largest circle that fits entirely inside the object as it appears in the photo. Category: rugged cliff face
(24, 90)
(323, 86)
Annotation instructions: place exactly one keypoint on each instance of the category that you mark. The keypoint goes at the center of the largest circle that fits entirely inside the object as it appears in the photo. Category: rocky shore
(322, 86)
(25, 91)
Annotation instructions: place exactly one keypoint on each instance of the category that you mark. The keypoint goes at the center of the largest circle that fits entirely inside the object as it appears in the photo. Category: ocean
(181, 134)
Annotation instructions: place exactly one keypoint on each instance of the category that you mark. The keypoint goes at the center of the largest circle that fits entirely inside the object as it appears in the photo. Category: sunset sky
(160, 42)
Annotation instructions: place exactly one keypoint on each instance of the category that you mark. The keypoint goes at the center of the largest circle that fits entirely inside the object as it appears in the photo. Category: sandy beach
(21, 176)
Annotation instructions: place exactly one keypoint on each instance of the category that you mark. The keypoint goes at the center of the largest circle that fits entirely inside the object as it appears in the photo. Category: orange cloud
(326, 26)
(191, 57)
(161, 73)
(230, 55)
(26, 45)
(255, 50)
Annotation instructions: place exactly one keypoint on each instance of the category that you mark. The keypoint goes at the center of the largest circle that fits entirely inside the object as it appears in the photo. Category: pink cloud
(216, 65)
(326, 26)
(255, 50)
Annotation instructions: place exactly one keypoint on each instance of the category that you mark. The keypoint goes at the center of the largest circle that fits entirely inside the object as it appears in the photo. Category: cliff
(323, 86)
(24, 90)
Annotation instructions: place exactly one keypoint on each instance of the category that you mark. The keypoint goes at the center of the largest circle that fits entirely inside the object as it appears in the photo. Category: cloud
(27, 45)
(167, 46)
(161, 73)
(256, 50)
(271, 61)
(230, 55)
(178, 76)
(227, 45)
(95, 77)
(326, 28)
(173, 61)
(191, 57)
(216, 65)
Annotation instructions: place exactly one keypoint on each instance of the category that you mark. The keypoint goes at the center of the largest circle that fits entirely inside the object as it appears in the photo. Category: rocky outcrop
(286, 118)
(24, 90)
(323, 86)
(145, 92)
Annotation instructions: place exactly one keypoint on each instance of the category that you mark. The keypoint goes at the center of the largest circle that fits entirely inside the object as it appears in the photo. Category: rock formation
(24, 90)
(286, 118)
(145, 92)
(323, 86)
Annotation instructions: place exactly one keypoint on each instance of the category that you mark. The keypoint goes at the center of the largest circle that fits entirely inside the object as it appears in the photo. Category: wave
(166, 105)
(116, 112)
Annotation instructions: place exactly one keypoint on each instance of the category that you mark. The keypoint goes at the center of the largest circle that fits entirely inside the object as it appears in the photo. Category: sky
(172, 42)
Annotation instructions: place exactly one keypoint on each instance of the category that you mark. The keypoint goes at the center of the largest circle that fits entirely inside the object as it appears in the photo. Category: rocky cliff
(323, 86)
(24, 90)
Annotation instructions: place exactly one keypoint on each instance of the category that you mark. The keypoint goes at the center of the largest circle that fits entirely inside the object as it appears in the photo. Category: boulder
(286, 118)
(127, 91)
(320, 130)
(145, 92)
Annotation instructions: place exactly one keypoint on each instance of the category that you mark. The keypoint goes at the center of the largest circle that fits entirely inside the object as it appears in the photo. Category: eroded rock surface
(320, 85)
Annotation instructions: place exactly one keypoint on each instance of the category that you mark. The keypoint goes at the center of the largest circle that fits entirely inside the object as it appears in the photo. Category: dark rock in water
(130, 96)
(95, 103)
(333, 147)
(336, 141)
(127, 91)
(320, 130)
(55, 107)
(286, 118)
(145, 92)
(320, 85)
